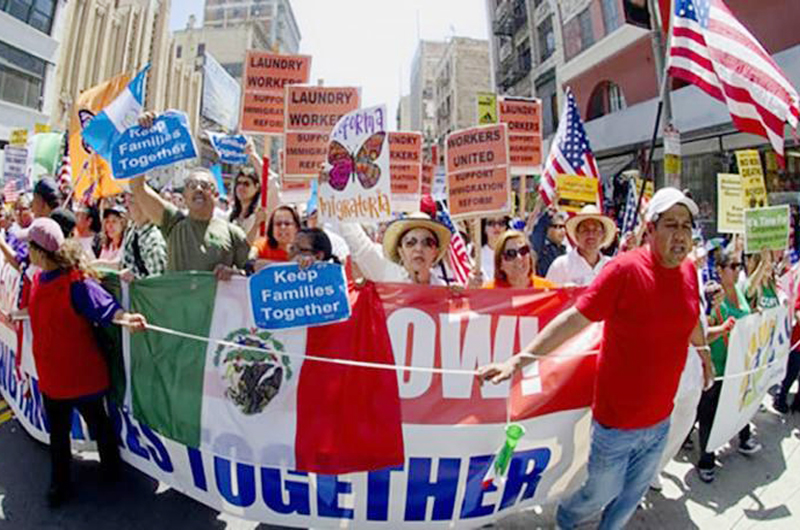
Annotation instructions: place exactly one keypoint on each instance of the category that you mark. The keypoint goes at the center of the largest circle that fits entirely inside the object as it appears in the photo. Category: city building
(462, 72)
(103, 39)
(275, 17)
(30, 32)
(422, 104)
(526, 52)
(404, 113)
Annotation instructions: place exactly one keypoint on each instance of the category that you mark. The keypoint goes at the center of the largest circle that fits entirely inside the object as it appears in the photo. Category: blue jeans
(621, 465)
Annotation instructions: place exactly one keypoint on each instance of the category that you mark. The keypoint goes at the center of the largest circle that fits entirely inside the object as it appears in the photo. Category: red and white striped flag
(457, 254)
(65, 171)
(570, 152)
(711, 49)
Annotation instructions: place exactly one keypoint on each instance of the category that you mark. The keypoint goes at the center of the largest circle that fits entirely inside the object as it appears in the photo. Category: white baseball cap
(666, 198)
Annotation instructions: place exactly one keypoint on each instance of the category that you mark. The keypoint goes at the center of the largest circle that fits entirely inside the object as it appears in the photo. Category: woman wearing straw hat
(590, 231)
(412, 246)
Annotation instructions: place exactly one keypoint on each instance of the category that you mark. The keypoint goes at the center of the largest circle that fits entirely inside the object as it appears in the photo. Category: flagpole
(664, 101)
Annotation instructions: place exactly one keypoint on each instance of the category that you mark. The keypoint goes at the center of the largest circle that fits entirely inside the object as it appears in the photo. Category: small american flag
(711, 49)
(460, 263)
(65, 171)
(629, 217)
(570, 152)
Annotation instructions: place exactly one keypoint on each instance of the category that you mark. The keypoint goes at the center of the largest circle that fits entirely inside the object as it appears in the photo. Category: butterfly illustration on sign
(346, 166)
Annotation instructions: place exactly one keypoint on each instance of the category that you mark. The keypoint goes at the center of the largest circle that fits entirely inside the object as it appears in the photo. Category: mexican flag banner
(249, 392)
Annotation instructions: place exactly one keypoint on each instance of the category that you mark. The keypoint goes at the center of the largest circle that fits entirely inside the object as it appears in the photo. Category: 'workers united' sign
(141, 149)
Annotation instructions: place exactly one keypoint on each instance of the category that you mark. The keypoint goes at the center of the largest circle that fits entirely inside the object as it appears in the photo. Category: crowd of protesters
(667, 298)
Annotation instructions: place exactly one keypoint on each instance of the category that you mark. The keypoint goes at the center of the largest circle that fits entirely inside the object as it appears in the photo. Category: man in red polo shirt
(648, 299)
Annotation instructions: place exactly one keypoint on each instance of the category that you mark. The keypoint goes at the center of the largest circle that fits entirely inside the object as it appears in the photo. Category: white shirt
(487, 263)
(572, 268)
(369, 257)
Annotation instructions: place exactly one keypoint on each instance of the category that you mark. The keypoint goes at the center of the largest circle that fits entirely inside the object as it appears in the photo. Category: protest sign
(405, 166)
(755, 191)
(576, 191)
(139, 149)
(766, 228)
(285, 297)
(524, 119)
(478, 180)
(311, 114)
(758, 347)
(45, 152)
(229, 148)
(221, 94)
(730, 204)
(487, 108)
(41, 128)
(14, 167)
(18, 137)
(355, 184)
(265, 77)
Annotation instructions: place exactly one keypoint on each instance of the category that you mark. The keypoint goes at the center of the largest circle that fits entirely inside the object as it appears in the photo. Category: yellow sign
(755, 191)
(19, 137)
(649, 188)
(576, 191)
(487, 108)
(730, 204)
(41, 128)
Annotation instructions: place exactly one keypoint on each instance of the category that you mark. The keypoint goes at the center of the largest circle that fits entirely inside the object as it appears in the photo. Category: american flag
(65, 172)
(629, 217)
(570, 152)
(713, 50)
(457, 255)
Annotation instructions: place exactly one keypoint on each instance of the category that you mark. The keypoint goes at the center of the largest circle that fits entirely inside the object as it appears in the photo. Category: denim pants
(622, 462)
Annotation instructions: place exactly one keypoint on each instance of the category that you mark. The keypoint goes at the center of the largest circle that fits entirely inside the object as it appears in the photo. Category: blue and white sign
(138, 150)
(229, 148)
(284, 296)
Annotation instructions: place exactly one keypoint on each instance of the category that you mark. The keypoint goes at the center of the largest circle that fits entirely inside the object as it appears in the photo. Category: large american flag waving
(457, 256)
(713, 50)
(570, 152)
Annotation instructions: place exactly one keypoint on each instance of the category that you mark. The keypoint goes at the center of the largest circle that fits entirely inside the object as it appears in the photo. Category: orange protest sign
(311, 114)
(524, 119)
(405, 168)
(427, 178)
(265, 76)
(478, 180)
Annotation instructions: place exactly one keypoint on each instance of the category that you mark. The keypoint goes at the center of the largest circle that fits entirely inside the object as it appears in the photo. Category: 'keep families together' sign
(139, 149)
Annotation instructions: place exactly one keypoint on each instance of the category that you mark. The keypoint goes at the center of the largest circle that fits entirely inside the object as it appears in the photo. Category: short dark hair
(320, 242)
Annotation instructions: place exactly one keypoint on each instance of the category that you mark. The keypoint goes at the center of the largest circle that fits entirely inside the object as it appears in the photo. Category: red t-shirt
(649, 313)
(796, 328)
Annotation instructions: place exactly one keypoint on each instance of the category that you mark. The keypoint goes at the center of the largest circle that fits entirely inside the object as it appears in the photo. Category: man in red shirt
(648, 299)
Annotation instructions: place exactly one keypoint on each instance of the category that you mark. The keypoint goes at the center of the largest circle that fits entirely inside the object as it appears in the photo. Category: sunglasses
(510, 254)
(245, 182)
(427, 242)
(558, 227)
(734, 266)
(496, 223)
(202, 184)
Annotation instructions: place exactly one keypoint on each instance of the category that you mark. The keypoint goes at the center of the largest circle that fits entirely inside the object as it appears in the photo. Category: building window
(21, 77)
(606, 98)
(201, 49)
(547, 39)
(587, 34)
(611, 18)
(178, 52)
(524, 56)
(36, 13)
(547, 92)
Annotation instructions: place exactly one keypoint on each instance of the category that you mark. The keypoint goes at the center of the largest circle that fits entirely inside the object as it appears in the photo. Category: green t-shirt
(719, 348)
(765, 298)
(194, 245)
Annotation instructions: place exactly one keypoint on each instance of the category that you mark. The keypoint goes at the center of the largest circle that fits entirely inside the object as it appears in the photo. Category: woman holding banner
(411, 248)
(733, 304)
(514, 264)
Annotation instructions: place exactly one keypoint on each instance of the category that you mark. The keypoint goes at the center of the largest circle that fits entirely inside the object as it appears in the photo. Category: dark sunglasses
(427, 242)
(511, 254)
(496, 223)
(734, 266)
(558, 227)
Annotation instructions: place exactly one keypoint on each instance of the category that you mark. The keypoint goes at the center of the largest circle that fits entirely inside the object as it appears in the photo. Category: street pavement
(761, 491)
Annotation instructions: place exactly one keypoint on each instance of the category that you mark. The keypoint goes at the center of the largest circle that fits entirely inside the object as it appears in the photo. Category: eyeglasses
(202, 184)
(510, 254)
(302, 250)
(734, 266)
(496, 223)
(558, 227)
(427, 242)
(245, 182)
(283, 224)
